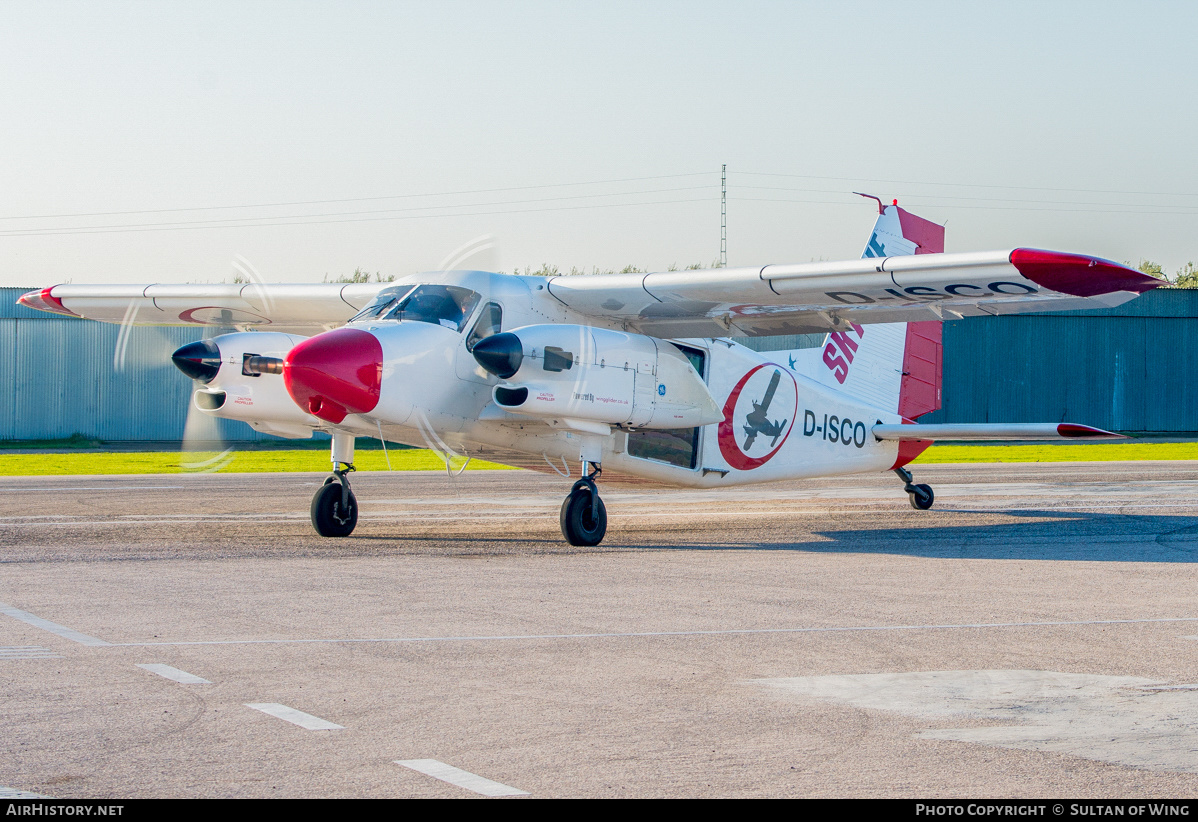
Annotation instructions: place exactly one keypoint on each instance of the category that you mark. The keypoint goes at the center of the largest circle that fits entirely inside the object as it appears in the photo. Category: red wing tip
(44, 300)
(1073, 430)
(1079, 275)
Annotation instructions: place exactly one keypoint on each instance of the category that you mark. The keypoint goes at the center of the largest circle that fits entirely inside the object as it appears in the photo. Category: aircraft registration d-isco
(629, 374)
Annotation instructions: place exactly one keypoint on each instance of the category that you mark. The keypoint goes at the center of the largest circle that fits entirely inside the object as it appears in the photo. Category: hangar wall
(58, 378)
(1131, 368)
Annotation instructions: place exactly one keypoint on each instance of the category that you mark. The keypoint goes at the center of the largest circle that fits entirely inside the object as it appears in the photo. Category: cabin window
(489, 323)
(676, 446)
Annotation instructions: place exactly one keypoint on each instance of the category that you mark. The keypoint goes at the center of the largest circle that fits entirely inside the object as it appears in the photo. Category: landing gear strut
(584, 516)
(921, 495)
(334, 508)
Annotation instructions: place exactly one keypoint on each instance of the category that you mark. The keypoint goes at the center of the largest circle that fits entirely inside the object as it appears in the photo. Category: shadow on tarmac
(1041, 535)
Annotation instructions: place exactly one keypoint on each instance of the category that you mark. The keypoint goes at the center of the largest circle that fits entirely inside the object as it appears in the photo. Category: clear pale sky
(1070, 126)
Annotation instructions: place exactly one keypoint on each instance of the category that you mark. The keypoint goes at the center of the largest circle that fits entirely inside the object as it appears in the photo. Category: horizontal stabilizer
(993, 431)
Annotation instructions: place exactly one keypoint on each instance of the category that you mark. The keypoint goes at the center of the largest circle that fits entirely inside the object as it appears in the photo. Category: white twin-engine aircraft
(629, 374)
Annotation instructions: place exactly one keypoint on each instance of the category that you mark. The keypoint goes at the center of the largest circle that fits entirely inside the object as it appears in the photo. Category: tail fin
(895, 367)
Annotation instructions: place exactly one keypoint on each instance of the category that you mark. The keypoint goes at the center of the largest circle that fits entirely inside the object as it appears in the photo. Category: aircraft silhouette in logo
(756, 421)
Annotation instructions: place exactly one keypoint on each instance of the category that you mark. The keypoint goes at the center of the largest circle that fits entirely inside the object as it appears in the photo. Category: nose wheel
(583, 515)
(334, 508)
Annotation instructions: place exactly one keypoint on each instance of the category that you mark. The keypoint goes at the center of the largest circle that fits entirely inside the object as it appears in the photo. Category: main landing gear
(584, 516)
(921, 495)
(334, 508)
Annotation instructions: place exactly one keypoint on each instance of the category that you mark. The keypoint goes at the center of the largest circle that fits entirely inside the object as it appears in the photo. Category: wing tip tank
(44, 300)
(1071, 430)
(1079, 275)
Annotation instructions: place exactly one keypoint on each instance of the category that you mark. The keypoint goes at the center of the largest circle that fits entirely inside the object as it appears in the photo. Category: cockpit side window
(490, 322)
(445, 305)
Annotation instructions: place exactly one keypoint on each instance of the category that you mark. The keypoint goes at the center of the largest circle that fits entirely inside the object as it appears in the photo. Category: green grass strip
(249, 462)
(1070, 452)
(253, 462)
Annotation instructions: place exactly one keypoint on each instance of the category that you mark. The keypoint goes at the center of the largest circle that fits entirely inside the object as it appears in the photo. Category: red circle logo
(758, 416)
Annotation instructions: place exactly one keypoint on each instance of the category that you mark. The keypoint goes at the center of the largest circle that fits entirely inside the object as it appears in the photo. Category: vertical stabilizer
(895, 367)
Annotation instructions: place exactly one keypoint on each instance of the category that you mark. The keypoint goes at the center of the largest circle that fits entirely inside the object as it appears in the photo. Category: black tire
(327, 517)
(578, 526)
(922, 497)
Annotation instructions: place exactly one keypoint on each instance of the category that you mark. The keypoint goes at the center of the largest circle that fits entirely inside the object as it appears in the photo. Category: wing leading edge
(282, 307)
(811, 297)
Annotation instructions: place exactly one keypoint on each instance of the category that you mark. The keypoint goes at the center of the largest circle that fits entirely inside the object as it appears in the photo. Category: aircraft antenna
(724, 215)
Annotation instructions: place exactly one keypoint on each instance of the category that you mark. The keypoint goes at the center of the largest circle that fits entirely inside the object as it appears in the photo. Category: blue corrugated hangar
(1129, 369)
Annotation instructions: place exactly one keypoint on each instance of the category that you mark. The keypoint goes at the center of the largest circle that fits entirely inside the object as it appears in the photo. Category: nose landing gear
(921, 495)
(334, 508)
(584, 516)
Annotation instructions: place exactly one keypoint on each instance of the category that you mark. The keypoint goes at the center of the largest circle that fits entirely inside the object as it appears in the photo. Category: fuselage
(402, 370)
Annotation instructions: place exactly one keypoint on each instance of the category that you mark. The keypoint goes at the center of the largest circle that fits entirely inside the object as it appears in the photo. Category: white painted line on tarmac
(13, 793)
(463, 779)
(173, 674)
(52, 627)
(312, 723)
(636, 634)
(128, 522)
(28, 652)
(101, 488)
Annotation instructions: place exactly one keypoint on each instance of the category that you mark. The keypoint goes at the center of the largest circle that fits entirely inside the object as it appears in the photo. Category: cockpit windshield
(445, 305)
(383, 301)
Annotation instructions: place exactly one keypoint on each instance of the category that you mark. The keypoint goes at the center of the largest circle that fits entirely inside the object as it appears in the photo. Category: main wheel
(922, 497)
(329, 517)
(578, 526)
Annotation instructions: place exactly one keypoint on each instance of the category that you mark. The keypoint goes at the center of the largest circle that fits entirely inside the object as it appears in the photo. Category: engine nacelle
(598, 376)
(241, 381)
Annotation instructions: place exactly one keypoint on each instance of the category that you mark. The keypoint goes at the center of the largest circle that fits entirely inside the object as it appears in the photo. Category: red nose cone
(335, 373)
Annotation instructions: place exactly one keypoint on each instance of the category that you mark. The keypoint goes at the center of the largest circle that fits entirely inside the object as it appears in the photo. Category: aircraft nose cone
(335, 373)
(501, 354)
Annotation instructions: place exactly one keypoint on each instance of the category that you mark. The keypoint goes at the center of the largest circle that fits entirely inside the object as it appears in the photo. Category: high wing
(302, 308)
(822, 296)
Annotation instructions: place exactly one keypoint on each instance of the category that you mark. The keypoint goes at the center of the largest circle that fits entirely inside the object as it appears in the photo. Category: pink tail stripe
(919, 391)
(927, 235)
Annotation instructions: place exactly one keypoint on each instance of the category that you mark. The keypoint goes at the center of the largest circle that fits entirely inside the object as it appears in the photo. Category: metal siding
(1130, 373)
(8, 378)
(42, 380)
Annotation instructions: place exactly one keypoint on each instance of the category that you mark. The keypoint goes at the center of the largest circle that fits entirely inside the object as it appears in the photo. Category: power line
(915, 202)
(350, 199)
(973, 185)
(962, 197)
(193, 227)
(267, 220)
